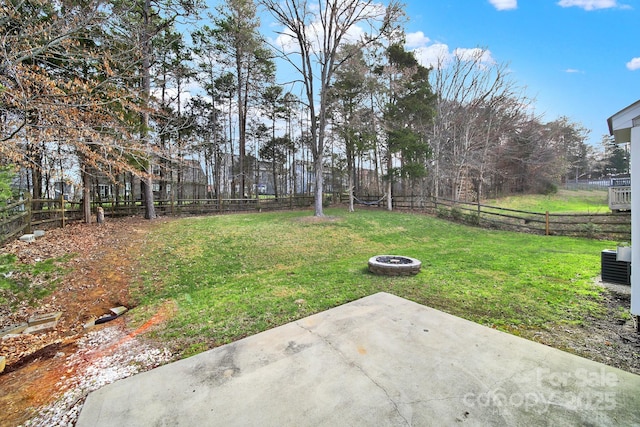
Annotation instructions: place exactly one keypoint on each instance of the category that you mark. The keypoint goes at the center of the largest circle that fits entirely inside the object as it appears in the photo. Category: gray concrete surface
(377, 361)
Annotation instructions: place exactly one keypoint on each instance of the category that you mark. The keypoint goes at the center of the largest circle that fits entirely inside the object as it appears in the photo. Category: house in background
(185, 180)
(192, 183)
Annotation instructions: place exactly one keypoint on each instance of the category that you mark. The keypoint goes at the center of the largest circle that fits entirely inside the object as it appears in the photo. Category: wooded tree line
(133, 90)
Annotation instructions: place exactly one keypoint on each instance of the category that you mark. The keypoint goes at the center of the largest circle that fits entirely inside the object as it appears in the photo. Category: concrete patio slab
(380, 360)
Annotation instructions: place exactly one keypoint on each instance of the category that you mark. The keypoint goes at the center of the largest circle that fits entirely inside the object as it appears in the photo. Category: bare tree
(476, 104)
(312, 35)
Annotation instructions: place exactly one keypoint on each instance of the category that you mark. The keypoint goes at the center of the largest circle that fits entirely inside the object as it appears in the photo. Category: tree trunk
(218, 176)
(275, 177)
(242, 142)
(36, 177)
(147, 196)
(350, 172)
(149, 208)
(37, 186)
(319, 186)
(86, 194)
(389, 182)
(117, 189)
(351, 208)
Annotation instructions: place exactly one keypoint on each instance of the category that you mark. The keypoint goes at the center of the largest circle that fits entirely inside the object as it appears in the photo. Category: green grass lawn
(28, 282)
(236, 275)
(564, 201)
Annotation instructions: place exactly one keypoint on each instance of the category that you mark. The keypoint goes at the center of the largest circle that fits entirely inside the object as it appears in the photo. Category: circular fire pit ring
(394, 265)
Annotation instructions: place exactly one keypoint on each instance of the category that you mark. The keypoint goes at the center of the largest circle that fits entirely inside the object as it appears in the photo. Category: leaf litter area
(49, 374)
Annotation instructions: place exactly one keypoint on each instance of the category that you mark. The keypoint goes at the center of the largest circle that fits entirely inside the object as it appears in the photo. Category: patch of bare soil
(49, 375)
(613, 339)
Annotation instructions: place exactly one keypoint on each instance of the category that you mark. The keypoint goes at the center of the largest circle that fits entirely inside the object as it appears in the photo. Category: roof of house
(620, 123)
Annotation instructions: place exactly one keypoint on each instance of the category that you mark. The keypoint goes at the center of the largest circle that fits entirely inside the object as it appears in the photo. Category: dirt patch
(49, 375)
(612, 339)
(43, 368)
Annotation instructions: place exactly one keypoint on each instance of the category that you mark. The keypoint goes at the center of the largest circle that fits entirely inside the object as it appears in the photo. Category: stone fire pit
(394, 265)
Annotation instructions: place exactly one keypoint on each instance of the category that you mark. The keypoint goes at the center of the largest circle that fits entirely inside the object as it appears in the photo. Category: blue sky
(577, 58)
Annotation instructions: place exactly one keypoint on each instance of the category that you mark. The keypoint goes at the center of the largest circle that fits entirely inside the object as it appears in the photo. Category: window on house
(104, 191)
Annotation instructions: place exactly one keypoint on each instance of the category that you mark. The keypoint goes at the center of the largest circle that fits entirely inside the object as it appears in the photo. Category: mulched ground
(41, 368)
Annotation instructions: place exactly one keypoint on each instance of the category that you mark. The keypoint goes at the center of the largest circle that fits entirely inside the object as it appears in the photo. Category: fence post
(546, 222)
(62, 210)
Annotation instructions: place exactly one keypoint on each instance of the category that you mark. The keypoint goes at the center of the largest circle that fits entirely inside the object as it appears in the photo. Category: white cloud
(504, 4)
(417, 39)
(589, 4)
(481, 56)
(634, 64)
(438, 56)
(572, 71)
(288, 42)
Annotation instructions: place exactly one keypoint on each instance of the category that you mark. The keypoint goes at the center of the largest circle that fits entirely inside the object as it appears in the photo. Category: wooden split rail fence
(24, 216)
(600, 225)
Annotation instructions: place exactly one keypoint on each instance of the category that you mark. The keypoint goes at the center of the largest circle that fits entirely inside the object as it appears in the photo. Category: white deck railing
(620, 198)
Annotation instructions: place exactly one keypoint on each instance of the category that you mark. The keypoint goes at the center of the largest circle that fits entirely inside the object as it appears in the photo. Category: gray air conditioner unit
(614, 271)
